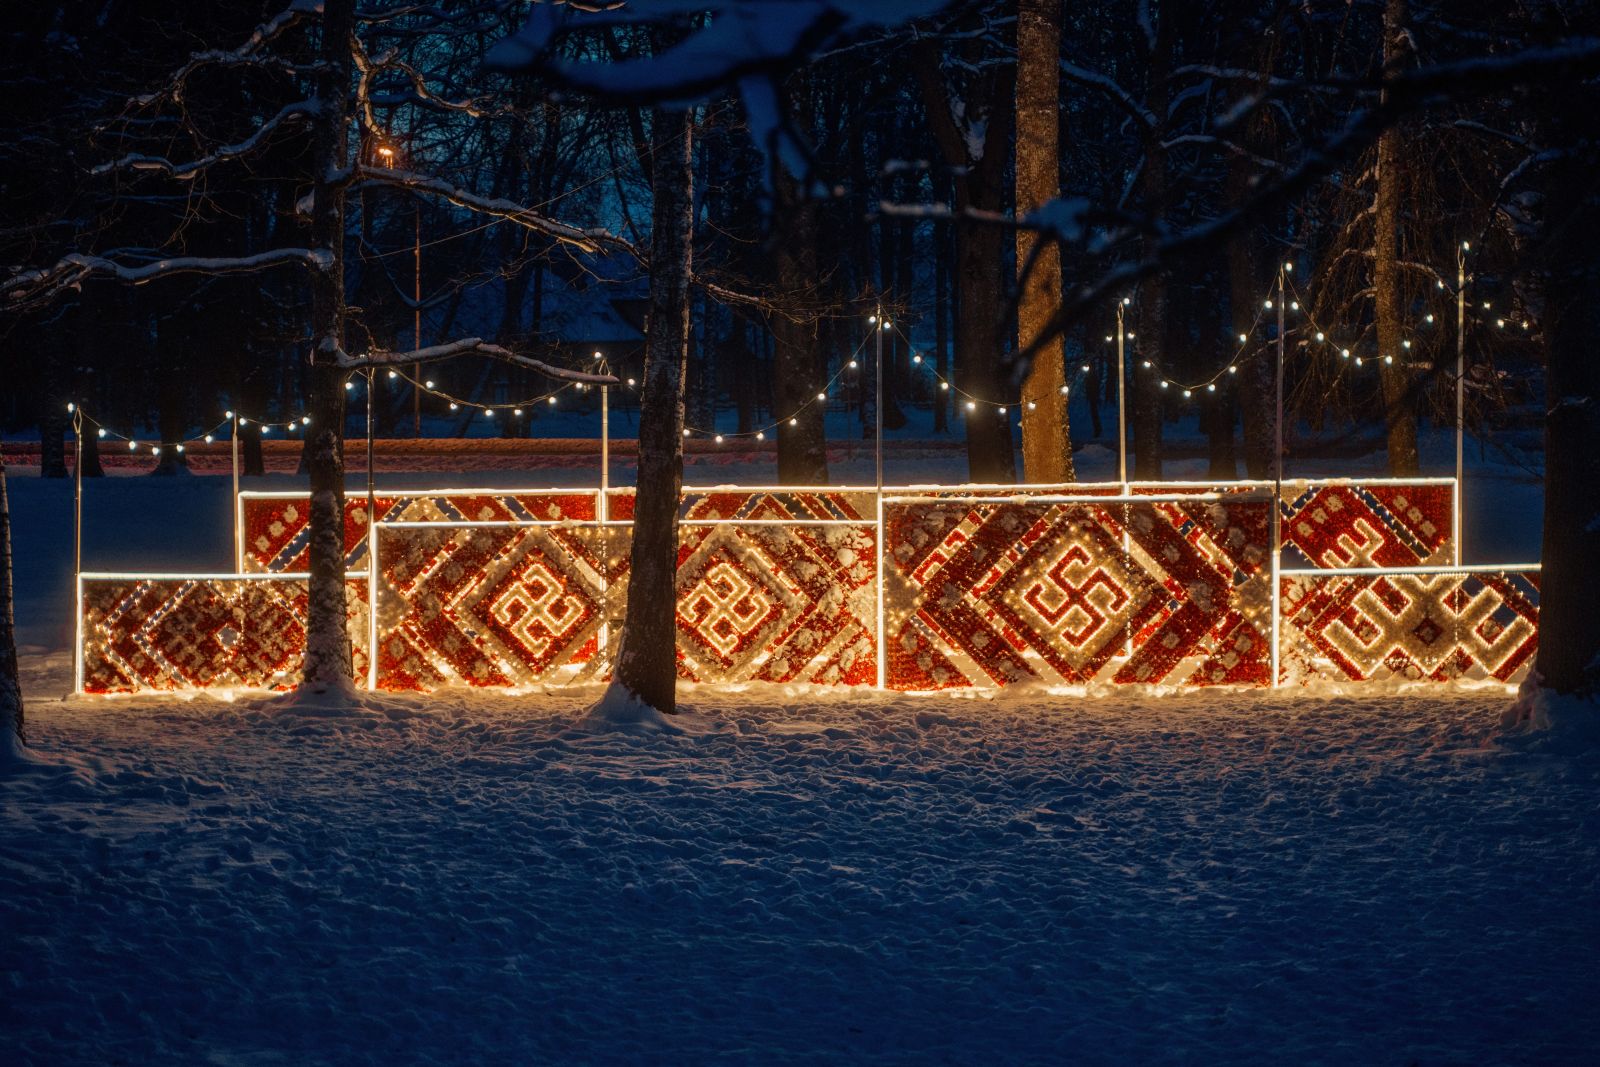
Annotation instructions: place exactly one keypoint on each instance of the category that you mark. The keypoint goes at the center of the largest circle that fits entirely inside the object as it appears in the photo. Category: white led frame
(964, 493)
(181, 576)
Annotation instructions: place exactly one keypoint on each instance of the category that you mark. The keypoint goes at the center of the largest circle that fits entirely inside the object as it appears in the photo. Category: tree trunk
(1152, 316)
(991, 457)
(1046, 436)
(1569, 588)
(11, 710)
(803, 447)
(647, 664)
(327, 660)
(53, 423)
(1399, 406)
(942, 313)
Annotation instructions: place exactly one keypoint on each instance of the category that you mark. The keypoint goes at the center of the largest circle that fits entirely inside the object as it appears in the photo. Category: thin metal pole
(372, 493)
(877, 415)
(77, 490)
(238, 529)
(883, 648)
(1461, 385)
(1122, 407)
(416, 326)
(1277, 502)
(1277, 465)
(372, 551)
(605, 442)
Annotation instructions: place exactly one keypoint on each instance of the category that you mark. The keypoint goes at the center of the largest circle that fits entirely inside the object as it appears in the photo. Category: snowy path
(1249, 879)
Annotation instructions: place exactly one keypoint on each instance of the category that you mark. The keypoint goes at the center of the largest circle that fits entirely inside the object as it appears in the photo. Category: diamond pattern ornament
(179, 634)
(777, 603)
(497, 606)
(1071, 593)
(277, 538)
(1409, 627)
(1377, 524)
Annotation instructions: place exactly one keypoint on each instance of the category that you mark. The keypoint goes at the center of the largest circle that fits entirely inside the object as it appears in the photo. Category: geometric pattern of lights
(201, 633)
(1409, 627)
(983, 587)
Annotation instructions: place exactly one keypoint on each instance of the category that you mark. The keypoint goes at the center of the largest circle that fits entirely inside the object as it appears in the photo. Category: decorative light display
(1074, 592)
(1431, 627)
(496, 605)
(175, 633)
(275, 526)
(982, 587)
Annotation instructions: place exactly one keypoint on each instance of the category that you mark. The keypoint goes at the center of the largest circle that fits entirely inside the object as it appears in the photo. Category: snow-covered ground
(791, 876)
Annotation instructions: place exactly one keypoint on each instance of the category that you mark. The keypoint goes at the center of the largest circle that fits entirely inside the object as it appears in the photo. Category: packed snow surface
(797, 878)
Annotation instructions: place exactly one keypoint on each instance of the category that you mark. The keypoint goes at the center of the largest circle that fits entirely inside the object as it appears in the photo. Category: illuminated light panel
(1434, 627)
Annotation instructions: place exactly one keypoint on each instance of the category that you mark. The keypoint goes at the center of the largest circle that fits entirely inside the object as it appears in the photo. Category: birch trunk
(327, 661)
(1046, 435)
(647, 664)
(1569, 588)
(11, 712)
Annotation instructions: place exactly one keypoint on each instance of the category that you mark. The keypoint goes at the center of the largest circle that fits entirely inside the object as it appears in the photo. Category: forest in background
(1169, 117)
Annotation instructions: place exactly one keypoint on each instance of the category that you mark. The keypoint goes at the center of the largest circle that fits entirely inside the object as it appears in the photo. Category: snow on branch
(471, 346)
(1123, 99)
(590, 240)
(29, 288)
(246, 53)
(291, 113)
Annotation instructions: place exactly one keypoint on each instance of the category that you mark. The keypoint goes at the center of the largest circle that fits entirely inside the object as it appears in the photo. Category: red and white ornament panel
(1409, 627)
(1076, 592)
(202, 633)
(981, 588)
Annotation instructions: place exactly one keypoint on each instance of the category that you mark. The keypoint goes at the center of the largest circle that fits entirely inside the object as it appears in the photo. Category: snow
(781, 875)
(791, 877)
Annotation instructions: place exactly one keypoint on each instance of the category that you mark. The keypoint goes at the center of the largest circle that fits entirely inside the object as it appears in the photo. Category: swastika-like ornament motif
(497, 605)
(993, 594)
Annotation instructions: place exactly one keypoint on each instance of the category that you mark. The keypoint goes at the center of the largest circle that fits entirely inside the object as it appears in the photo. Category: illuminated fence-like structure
(204, 631)
(1171, 584)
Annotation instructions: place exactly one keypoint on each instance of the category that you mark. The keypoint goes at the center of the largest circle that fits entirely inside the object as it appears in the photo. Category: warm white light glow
(944, 385)
(428, 384)
(719, 438)
(1319, 335)
(971, 406)
(548, 400)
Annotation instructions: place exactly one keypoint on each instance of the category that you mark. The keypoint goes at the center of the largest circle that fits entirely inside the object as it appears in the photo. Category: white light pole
(1461, 386)
(877, 406)
(1122, 407)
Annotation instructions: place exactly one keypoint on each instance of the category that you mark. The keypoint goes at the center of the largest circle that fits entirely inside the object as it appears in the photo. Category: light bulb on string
(822, 396)
(852, 364)
(1232, 369)
(794, 422)
(551, 400)
(180, 448)
(1319, 336)
(209, 439)
(1345, 353)
(760, 435)
(155, 450)
(100, 432)
(916, 359)
(1145, 364)
(1065, 389)
(516, 411)
(945, 386)
(453, 405)
(428, 384)
(1002, 410)
(1165, 383)
(305, 420)
(133, 446)
(686, 431)
(971, 406)
(719, 438)
(1243, 338)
